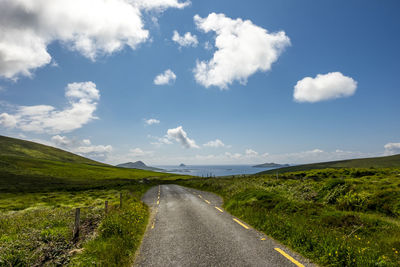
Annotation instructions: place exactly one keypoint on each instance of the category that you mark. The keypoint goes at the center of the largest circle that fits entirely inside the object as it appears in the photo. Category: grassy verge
(345, 217)
(118, 236)
(36, 228)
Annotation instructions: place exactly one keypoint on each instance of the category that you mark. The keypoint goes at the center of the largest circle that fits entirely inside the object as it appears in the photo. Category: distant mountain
(138, 165)
(182, 165)
(271, 165)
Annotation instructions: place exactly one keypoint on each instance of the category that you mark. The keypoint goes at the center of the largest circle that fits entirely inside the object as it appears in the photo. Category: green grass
(378, 162)
(30, 167)
(19, 174)
(21, 148)
(119, 236)
(36, 229)
(41, 186)
(335, 217)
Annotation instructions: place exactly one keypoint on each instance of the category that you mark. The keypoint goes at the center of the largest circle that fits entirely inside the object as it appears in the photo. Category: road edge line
(289, 257)
(241, 224)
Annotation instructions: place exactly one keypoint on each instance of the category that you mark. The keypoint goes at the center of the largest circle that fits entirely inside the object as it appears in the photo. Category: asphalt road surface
(189, 228)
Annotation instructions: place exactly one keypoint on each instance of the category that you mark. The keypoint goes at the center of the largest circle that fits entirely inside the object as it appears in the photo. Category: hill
(378, 162)
(21, 148)
(31, 167)
(137, 165)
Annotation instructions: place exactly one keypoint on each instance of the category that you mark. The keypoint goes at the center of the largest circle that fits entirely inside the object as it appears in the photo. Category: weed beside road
(335, 217)
(36, 229)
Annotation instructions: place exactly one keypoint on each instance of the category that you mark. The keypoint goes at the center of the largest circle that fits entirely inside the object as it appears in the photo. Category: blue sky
(244, 104)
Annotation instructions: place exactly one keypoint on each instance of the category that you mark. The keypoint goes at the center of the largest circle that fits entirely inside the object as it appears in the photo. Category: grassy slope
(336, 217)
(379, 162)
(26, 149)
(39, 188)
(31, 167)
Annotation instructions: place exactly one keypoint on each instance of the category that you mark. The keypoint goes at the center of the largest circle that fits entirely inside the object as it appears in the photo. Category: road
(189, 228)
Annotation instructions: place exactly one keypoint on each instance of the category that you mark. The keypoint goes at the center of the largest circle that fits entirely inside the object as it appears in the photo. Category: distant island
(182, 165)
(271, 165)
(138, 165)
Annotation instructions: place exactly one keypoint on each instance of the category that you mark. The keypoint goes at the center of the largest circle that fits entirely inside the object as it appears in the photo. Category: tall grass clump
(118, 236)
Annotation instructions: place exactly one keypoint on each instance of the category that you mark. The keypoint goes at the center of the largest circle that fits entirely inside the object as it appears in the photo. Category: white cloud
(82, 147)
(180, 136)
(159, 5)
(167, 77)
(99, 149)
(86, 142)
(93, 28)
(251, 153)
(82, 102)
(138, 152)
(62, 141)
(160, 140)
(7, 120)
(216, 143)
(324, 87)
(208, 45)
(151, 121)
(242, 49)
(186, 40)
(233, 155)
(392, 149)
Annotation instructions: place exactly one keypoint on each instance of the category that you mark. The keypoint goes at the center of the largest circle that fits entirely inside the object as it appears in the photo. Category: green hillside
(40, 187)
(21, 148)
(378, 162)
(31, 167)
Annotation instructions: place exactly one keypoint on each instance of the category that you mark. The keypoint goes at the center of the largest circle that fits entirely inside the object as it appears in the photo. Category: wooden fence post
(76, 225)
(106, 206)
(120, 200)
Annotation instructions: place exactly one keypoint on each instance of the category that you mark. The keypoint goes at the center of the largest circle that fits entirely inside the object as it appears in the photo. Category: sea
(212, 170)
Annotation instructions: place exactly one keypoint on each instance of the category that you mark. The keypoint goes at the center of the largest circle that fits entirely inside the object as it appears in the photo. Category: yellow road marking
(208, 202)
(263, 239)
(219, 209)
(158, 202)
(239, 222)
(200, 196)
(289, 257)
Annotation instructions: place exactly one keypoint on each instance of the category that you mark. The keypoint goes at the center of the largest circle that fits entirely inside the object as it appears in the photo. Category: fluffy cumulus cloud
(151, 121)
(324, 87)
(82, 102)
(251, 153)
(7, 120)
(242, 49)
(93, 28)
(167, 77)
(82, 147)
(186, 40)
(216, 143)
(392, 148)
(180, 136)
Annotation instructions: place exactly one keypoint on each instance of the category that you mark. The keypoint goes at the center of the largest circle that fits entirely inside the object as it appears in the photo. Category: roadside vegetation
(335, 217)
(36, 229)
(41, 186)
